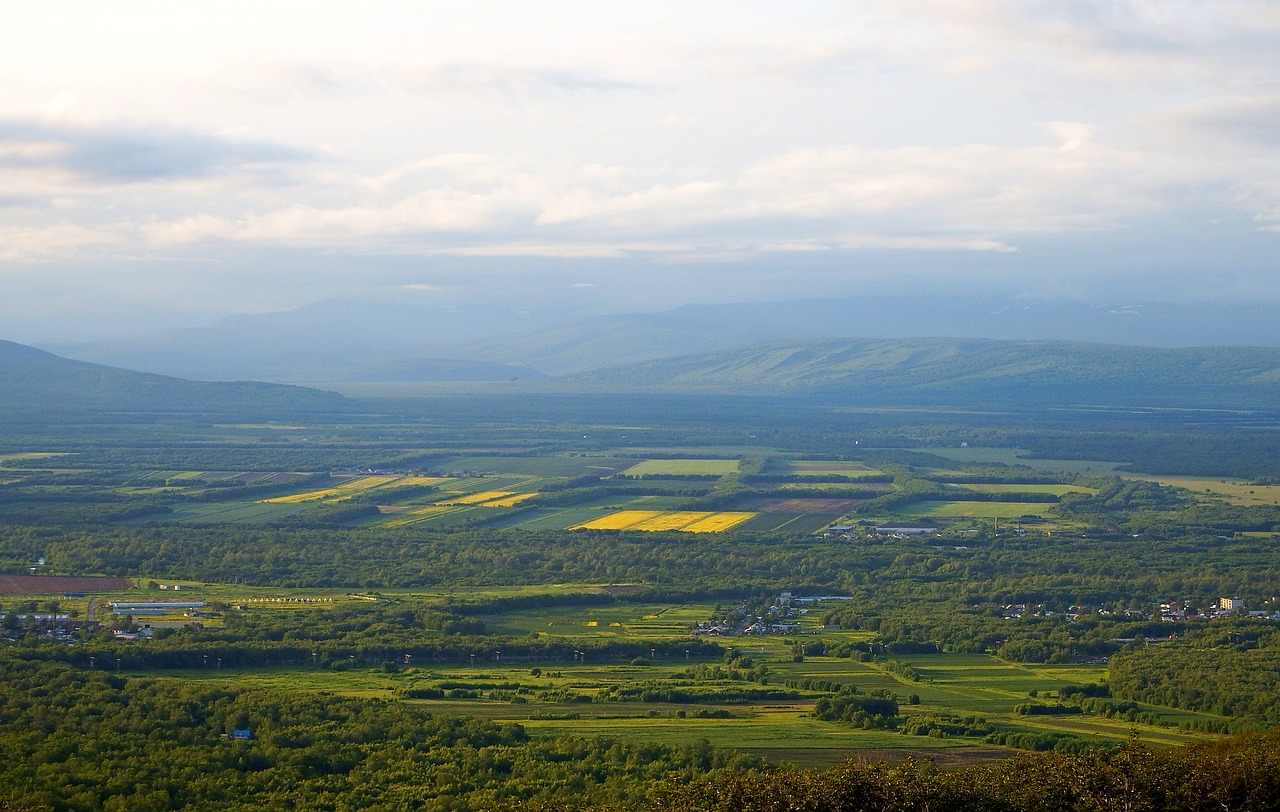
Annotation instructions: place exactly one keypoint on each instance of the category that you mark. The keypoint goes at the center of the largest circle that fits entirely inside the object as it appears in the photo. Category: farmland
(655, 520)
(979, 510)
(586, 694)
(553, 572)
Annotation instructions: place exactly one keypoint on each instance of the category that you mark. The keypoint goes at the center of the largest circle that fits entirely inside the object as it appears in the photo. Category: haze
(166, 164)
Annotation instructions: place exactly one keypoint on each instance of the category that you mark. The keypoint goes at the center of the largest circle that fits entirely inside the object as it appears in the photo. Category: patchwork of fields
(584, 695)
(623, 490)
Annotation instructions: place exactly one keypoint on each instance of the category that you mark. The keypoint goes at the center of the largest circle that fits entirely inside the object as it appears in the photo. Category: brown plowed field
(59, 584)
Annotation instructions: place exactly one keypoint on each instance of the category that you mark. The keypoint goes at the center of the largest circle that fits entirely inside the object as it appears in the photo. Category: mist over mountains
(409, 339)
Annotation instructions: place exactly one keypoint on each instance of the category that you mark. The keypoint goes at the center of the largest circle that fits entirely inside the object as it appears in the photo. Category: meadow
(976, 510)
(1231, 491)
(682, 467)
(565, 697)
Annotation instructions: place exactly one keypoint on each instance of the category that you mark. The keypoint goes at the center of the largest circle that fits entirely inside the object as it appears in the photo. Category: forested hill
(966, 370)
(36, 382)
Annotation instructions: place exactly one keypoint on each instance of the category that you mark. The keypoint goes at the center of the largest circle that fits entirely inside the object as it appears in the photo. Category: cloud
(120, 154)
(1250, 121)
(299, 81)
(28, 243)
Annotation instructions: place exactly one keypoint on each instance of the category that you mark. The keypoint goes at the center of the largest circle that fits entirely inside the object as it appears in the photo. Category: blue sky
(165, 164)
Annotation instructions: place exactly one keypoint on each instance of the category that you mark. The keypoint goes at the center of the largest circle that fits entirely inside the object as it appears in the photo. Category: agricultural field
(687, 521)
(552, 698)
(977, 510)
(682, 467)
(624, 620)
(1014, 456)
(1056, 490)
(59, 585)
(546, 466)
(355, 486)
(815, 468)
(788, 522)
(27, 456)
(1231, 491)
(234, 512)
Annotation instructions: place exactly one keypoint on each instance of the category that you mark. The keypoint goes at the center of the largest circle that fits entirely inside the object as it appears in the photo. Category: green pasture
(844, 468)
(679, 467)
(1016, 456)
(1056, 490)
(627, 502)
(975, 510)
(631, 621)
(545, 518)
(234, 512)
(1234, 491)
(565, 465)
(788, 522)
(31, 455)
(957, 684)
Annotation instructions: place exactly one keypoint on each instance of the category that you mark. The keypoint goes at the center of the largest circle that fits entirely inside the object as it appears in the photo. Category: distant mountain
(402, 337)
(37, 382)
(409, 338)
(964, 370)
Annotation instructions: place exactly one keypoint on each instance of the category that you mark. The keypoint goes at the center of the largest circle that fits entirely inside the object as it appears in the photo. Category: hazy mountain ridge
(32, 380)
(411, 337)
(963, 369)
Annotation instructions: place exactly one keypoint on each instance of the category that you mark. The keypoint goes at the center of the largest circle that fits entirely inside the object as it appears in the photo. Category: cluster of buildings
(1172, 612)
(781, 617)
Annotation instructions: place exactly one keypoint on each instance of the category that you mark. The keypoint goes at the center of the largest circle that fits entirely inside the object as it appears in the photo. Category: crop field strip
(678, 467)
(981, 510)
(656, 520)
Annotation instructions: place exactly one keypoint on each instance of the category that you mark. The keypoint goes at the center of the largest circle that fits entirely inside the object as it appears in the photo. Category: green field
(1056, 490)
(958, 684)
(1232, 491)
(682, 467)
(853, 470)
(976, 510)
(635, 621)
(546, 466)
(1014, 456)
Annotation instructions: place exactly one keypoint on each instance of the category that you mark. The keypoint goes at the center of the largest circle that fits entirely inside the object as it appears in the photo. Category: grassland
(1014, 456)
(1056, 490)
(682, 467)
(562, 697)
(976, 510)
(852, 470)
(1231, 491)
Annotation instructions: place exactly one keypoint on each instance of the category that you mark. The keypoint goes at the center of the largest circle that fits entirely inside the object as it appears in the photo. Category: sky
(166, 164)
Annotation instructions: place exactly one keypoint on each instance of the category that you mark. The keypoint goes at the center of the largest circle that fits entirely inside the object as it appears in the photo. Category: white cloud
(476, 134)
(59, 240)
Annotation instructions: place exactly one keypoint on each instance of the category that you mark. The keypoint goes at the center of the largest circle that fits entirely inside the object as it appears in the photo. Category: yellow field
(490, 498)
(652, 520)
(719, 521)
(421, 480)
(509, 501)
(354, 486)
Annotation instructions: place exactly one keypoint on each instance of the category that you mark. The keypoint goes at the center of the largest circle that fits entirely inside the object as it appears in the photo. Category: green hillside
(33, 381)
(966, 369)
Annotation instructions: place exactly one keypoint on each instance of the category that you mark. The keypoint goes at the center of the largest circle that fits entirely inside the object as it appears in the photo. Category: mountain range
(411, 338)
(840, 371)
